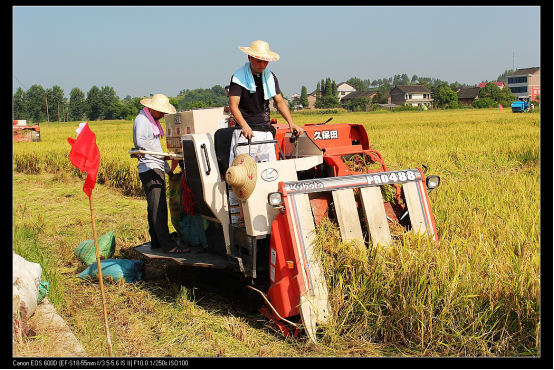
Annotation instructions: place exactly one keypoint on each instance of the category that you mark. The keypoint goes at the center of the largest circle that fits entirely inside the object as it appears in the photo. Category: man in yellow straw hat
(147, 132)
(250, 89)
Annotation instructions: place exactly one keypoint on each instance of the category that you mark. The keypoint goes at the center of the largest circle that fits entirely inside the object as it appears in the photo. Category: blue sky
(148, 50)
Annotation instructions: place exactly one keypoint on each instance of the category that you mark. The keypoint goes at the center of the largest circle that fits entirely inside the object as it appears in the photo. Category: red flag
(85, 156)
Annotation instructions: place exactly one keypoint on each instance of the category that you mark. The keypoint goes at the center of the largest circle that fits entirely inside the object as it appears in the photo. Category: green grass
(476, 293)
(174, 313)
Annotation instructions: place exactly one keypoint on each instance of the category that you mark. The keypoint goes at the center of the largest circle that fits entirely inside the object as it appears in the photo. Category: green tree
(108, 98)
(56, 102)
(455, 86)
(19, 104)
(330, 102)
(404, 79)
(77, 105)
(443, 96)
(385, 84)
(503, 77)
(323, 87)
(425, 83)
(317, 95)
(304, 97)
(484, 103)
(94, 103)
(493, 92)
(358, 104)
(490, 91)
(318, 90)
(36, 103)
(196, 104)
(329, 97)
(134, 107)
(357, 83)
(116, 110)
(218, 90)
(291, 104)
(212, 97)
(328, 87)
(175, 102)
(379, 98)
(334, 89)
(506, 97)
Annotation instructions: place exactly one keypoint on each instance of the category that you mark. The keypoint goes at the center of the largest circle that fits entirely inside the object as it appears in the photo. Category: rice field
(476, 293)
(114, 140)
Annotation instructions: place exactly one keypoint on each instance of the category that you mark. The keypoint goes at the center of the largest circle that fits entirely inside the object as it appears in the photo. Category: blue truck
(520, 106)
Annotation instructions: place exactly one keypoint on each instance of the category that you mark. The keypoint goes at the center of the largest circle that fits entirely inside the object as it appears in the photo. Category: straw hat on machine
(160, 103)
(242, 176)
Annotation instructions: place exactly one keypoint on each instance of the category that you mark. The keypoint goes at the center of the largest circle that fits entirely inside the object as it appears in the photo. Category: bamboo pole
(159, 154)
(109, 341)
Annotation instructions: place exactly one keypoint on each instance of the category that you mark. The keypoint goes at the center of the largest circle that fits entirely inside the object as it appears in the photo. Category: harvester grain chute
(330, 168)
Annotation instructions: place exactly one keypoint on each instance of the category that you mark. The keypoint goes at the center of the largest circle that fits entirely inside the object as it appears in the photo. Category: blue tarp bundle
(130, 270)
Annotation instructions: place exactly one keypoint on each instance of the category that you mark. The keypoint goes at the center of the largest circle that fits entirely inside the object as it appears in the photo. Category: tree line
(39, 105)
(443, 93)
(99, 103)
(387, 84)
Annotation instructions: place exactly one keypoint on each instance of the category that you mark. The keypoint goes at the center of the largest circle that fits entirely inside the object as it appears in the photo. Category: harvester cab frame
(328, 170)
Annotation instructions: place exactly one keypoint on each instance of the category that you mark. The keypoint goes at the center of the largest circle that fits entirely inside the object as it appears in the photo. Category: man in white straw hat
(147, 132)
(250, 89)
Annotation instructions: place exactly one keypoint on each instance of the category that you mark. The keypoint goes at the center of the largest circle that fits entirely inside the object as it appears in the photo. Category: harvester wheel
(249, 300)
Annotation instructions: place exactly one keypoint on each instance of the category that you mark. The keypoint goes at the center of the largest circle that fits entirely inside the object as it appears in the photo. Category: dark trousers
(153, 183)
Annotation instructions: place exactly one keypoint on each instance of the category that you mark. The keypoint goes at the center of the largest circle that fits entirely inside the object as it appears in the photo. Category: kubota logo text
(326, 135)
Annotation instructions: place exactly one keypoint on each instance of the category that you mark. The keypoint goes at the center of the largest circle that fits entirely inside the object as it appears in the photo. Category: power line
(20, 82)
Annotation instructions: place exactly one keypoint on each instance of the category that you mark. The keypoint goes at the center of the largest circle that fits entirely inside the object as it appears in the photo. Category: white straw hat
(260, 50)
(160, 103)
(242, 176)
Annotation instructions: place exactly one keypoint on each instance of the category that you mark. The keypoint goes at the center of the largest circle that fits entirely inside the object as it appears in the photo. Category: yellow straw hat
(260, 50)
(160, 103)
(242, 176)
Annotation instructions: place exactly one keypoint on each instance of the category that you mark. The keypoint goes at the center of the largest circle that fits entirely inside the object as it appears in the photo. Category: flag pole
(100, 275)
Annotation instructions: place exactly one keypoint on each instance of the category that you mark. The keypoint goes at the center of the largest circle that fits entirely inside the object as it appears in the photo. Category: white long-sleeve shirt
(143, 136)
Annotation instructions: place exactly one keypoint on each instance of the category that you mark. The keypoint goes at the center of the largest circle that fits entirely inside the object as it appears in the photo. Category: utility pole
(47, 118)
(513, 61)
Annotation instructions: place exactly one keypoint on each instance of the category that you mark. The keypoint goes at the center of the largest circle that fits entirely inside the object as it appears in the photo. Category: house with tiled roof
(358, 94)
(414, 95)
(467, 95)
(311, 100)
(344, 89)
(525, 83)
(501, 85)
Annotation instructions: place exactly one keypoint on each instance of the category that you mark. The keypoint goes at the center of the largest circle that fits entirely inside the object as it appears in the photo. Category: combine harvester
(23, 132)
(315, 175)
(520, 106)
